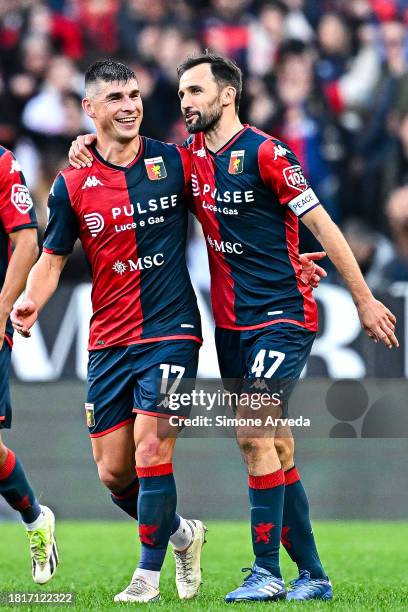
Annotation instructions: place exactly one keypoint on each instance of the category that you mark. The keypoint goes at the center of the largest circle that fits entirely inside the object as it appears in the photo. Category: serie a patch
(155, 168)
(236, 164)
(90, 415)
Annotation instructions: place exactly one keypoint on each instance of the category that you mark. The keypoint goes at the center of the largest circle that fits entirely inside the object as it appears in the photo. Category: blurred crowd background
(328, 77)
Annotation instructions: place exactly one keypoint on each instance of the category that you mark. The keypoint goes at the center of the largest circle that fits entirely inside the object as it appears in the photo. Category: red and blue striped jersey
(16, 212)
(132, 223)
(248, 197)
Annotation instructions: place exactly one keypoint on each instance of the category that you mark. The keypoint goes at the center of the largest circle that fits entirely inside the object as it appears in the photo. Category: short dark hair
(224, 70)
(108, 71)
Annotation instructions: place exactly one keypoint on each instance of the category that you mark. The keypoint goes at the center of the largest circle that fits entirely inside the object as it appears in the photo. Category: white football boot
(138, 591)
(43, 548)
(188, 562)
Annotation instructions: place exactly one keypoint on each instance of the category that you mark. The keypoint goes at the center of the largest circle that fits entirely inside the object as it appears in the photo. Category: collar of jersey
(230, 142)
(113, 166)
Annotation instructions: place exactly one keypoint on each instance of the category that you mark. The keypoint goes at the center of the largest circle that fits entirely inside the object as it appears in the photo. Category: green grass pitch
(367, 563)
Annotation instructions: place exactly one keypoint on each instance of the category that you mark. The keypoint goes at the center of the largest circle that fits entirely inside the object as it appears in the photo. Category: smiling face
(116, 108)
(202, 101)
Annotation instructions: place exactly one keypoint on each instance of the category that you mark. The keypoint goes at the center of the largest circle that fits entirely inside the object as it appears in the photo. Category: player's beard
(205, 122)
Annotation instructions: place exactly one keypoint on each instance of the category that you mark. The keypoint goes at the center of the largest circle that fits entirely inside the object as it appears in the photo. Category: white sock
(35, 524)
(153, 578)
(182, 538)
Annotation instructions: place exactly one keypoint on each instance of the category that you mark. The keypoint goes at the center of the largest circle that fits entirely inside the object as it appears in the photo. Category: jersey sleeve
(16, 206)
(62, 228)
(281, 172)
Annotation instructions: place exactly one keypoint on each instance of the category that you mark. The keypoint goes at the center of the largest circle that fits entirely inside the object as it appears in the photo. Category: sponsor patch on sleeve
(304, 202)
(21, 199)
(294, 178)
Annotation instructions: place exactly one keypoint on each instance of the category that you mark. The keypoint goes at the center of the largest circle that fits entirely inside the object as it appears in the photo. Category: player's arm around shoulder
(79, 155)
(377, 321)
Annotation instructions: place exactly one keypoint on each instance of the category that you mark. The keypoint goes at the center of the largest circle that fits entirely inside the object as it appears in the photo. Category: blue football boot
(259, 585)
(304, 587)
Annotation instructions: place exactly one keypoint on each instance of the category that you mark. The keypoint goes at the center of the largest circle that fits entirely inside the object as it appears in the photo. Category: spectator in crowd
(44, 113)
(389, 97)
(225, 29)
(266, 35)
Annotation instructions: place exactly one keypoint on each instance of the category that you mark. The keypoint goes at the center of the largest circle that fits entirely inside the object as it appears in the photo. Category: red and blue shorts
(269, 359)
(135, 379)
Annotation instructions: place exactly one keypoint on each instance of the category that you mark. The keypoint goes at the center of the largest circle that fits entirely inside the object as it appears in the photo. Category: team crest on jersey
(156, 169)
(90, 415)
(236, 165)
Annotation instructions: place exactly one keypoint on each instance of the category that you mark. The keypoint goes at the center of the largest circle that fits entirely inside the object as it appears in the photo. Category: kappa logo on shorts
(90, 414)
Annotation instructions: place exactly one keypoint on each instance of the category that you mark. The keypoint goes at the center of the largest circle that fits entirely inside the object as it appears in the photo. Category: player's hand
(312, 273)
(23, 317)
(79, 155)
(378, 322)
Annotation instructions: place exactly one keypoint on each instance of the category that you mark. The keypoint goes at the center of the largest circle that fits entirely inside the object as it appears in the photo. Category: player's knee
(285, 449)
(112, 477)
(250, 448)
(153, 451)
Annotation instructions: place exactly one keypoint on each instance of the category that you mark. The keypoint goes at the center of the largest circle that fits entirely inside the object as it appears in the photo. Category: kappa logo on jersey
(260, 384)
(279, 151)
(200, 152)
(15, 166)
(95, 223)
(91, 181)
(236, 165)
(156, 169)
(294, 178)
(21, 199)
